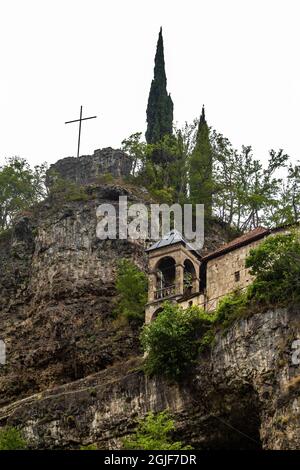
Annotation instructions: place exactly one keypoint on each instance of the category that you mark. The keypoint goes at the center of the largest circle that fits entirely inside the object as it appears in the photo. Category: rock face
(244, 395)
(87, 168)
(72, 375)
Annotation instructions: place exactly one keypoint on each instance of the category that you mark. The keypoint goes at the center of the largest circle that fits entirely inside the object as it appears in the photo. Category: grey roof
(171, 238)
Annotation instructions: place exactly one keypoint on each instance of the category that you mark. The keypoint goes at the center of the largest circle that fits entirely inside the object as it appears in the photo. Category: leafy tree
(200, 172)
(173, 339)
(275, 263)
(160, 105)
(11, 439)
(20, 188)
(132, 288)
(153, 433)
(246, 194)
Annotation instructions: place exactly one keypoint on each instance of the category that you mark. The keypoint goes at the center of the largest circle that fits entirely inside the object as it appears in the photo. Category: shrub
(231, 307)
(11, 439)
(153, 433)
(132, 288)
(275, 263)
(173, 339)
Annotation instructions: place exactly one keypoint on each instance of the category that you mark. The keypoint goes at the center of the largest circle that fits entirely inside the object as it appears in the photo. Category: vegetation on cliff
(173, 339)
(154, 432)
(132, 291)
(11, 439)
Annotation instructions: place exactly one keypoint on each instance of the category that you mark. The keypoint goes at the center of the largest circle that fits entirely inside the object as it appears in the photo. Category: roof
(170, 238)
(244, 239)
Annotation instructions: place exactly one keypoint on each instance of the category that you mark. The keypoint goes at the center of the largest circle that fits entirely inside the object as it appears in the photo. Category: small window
(190, 303)
(237, 276)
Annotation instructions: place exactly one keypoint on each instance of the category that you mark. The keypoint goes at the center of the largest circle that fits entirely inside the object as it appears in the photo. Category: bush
(132, 289)
(153, 433)
(11, 439)
(275, 263)
(172, 341)
(231, 307)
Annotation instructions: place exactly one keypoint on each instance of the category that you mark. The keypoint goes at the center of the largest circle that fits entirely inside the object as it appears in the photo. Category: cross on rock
(80, 120)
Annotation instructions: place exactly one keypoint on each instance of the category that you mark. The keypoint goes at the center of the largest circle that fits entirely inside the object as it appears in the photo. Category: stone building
(87, 168)
(179, 274)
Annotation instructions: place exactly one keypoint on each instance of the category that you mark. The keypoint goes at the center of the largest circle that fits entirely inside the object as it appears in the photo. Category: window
(237, 276)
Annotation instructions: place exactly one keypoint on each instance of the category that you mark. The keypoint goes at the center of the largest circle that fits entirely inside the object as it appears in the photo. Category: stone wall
(87, 168)
(222, 271)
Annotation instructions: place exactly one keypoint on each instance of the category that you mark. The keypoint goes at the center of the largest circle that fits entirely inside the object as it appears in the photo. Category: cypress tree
(200, 172)
(160, 104)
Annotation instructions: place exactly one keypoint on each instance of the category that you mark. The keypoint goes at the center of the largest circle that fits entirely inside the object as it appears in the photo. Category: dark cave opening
(227, 421)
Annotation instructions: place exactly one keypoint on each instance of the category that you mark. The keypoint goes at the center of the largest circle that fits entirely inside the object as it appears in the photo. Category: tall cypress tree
(160, 104)
(200, 172)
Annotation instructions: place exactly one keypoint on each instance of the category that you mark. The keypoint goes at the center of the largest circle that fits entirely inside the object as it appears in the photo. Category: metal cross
(79, 120)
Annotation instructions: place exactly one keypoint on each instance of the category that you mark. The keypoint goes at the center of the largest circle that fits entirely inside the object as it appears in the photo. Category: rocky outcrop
(88, 168)
(243, 394)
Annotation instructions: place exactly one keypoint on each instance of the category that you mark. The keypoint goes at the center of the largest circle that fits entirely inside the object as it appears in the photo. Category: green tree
(11, 439)
(173, 339)
(275, 263)
(132, 288)
(160, 105)
(200, 172)
(20, 188)
(154, 433)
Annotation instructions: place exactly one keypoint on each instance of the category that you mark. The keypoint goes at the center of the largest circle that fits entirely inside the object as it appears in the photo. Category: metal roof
(170, 238)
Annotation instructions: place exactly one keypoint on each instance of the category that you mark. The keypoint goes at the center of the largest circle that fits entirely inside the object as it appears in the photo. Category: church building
(178, 273)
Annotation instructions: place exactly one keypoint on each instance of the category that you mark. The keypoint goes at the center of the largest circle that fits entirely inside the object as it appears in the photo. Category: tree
(200, 171)
(20, 188)
(153, 433)
(132, 289)
(275, 263)
(246, 194)
(173, 339)
(160, 105)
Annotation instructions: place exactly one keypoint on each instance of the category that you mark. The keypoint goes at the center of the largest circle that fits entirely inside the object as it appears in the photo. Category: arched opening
(189, 278)
(165, 277)
(156, 313)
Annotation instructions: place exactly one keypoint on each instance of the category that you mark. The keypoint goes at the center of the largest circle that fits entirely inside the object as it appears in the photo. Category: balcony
(165, 292)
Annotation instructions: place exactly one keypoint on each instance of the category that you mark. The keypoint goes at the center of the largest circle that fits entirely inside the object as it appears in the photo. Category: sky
(238, 57)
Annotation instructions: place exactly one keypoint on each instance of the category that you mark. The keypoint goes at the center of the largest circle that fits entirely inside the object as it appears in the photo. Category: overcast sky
(238, 57)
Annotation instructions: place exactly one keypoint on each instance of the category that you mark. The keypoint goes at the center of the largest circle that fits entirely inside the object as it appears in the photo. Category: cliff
(72, 375)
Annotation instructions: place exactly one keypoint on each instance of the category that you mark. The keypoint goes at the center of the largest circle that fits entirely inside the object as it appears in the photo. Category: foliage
(172, 340)
(89, 447)
(230, 308)
(200, 171)
(246, 194)
(20, 188)
(160, 105)
(132, 288)
(275, 263)
(11, 439)
(153, 433)
(65, 190)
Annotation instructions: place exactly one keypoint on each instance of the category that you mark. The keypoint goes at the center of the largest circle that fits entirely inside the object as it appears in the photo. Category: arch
(156, 313)
(165, 277)
(189, 277)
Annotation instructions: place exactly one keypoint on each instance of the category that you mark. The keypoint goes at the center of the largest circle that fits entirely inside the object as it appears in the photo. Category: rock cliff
(73, 371)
